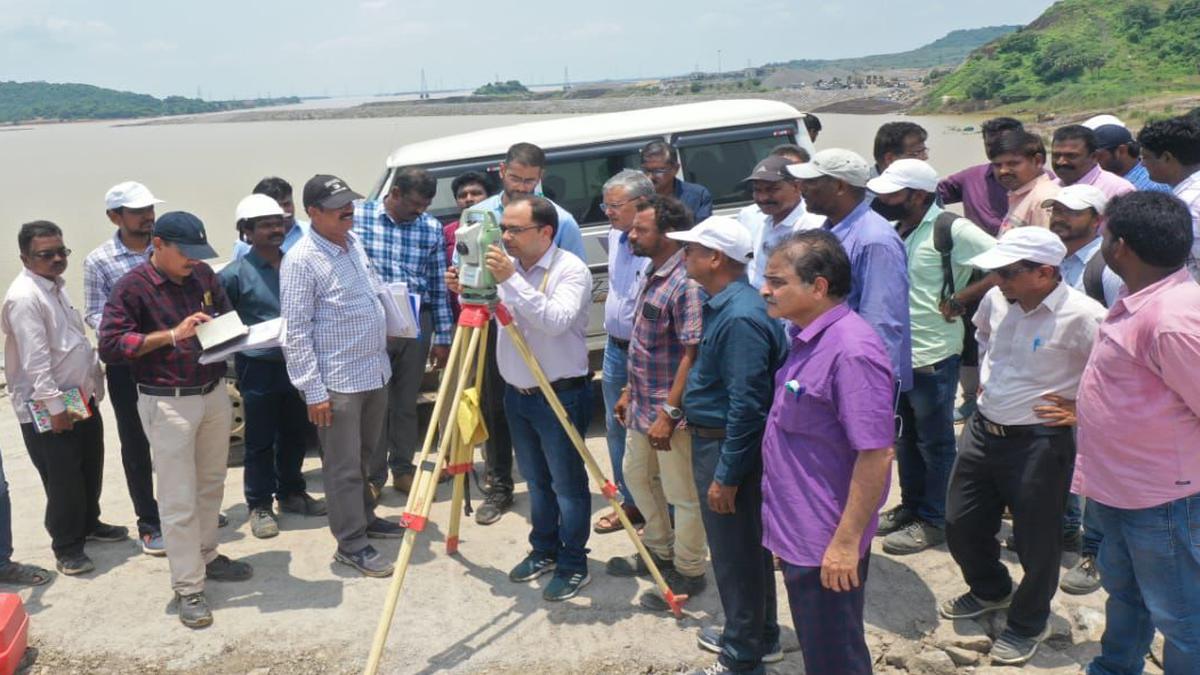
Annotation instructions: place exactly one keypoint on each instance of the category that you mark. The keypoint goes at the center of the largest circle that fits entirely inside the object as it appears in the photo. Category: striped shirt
(336, 332)
(1140, 178)
(101, 270)
(413, 252)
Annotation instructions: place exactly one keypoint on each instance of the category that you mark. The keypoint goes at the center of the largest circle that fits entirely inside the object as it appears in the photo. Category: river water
(60, 172)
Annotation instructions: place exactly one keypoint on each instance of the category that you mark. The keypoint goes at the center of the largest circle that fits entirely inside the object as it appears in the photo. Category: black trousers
(71, 466)
(1031, 475)
(135, 449)
(498, 450)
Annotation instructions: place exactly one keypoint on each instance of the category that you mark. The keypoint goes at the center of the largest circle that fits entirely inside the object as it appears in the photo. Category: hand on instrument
(321, 414)
(452, 281)
(499, 264)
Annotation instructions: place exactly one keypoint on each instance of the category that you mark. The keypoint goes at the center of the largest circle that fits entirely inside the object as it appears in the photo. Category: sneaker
(1083, 578)
(193, 610)
(494, 505)
(711, 639)
(263, 524)
(963, 412)
(382, 528)
(224, 569)
(894, 520)
(1011, 649)
(533, 566)
(152, 544)
(304, 504)
(109, 533)
(634, 566)
(914, 538)
(679, 583)
(222, 520)
(73, 565)
(565, 585)
(717, 668)
(968, 606)
(367, 560)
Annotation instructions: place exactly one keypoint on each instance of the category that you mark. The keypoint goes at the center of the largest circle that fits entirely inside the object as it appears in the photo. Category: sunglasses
(51, 254)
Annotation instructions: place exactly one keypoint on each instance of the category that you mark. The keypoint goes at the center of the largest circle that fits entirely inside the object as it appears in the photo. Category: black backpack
(943, 241)
(1093, 278)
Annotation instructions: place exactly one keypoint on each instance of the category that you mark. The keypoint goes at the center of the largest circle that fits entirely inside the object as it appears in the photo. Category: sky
(222, 49)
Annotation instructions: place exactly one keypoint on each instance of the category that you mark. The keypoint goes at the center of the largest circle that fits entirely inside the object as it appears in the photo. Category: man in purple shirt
(1073, 155)
(827, 449)
(984, 199)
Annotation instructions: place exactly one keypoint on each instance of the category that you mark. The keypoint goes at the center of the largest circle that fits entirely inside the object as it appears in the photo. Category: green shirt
(933, 338)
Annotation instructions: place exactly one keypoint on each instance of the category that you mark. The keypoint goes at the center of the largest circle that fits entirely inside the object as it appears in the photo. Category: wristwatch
(672, 412)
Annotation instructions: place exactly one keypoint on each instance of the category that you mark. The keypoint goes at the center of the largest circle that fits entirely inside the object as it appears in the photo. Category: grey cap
(845, 165)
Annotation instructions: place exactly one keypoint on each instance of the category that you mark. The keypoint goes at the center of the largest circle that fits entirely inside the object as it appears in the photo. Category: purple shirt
(984, 199)
(833, 399)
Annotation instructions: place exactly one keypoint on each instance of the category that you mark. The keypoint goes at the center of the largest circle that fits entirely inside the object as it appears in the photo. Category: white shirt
(45, 348)
(1023, 356)
(1189, 191)
(772, 232)
(550, 305)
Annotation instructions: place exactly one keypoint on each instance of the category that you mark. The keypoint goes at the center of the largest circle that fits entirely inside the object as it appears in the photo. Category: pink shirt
(1109, 183)
(1025, 204)
(1139, 400)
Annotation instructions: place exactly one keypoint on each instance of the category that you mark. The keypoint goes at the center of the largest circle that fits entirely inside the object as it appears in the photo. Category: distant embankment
(50, 102)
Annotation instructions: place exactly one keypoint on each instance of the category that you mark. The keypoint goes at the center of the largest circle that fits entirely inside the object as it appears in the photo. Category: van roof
(577, 130)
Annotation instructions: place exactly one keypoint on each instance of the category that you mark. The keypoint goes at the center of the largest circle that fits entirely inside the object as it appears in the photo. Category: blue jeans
(559, 502)
(1078, 513)
(1150, 566)
(615, 377)
(925, 445)
(276, 426)
(6, 545)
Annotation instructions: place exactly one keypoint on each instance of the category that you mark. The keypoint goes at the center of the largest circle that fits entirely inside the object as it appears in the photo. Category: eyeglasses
(605, 207)
(52, 254)
(513, 229)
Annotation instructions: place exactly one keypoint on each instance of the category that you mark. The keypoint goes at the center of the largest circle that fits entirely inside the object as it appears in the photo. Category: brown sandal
(612, 523)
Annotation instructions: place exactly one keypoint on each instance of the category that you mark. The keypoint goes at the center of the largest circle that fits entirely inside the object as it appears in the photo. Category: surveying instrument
(477, 231)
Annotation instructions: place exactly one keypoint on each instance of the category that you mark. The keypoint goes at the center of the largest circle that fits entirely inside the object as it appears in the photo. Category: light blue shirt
(1140, 178)
(1073, 267)
(568, 237)
(625, 272)
(771, 233)
(241, 248)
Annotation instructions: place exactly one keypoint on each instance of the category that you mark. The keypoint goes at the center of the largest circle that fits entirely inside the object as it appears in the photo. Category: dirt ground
(302, 613)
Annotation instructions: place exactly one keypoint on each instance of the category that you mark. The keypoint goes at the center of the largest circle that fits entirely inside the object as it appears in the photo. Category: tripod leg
(606, 487)
(453, 369)
(463, 454)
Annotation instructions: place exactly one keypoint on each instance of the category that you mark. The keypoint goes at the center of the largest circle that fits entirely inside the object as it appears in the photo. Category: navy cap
(1109, 136)
(328, 192)
(184, 231)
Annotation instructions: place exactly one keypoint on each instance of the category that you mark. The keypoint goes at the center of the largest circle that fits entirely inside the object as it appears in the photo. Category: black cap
(185, 232)
(1109, 136)
(772, 169)
(328, 192)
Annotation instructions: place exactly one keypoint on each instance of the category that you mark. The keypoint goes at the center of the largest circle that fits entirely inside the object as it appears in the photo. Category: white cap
(720, 233)
(911, 174)
(1032, 243)
(1078, 197)
(257, 206)
(1100, 120)
(129, 195)
(836, 163)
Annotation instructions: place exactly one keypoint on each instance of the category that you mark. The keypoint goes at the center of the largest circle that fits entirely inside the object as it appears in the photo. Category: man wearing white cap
(1035, 333)
(725, 403)
(1076, 213)
(834, 185)
(130, 207)
(939, 246)
(274, 410)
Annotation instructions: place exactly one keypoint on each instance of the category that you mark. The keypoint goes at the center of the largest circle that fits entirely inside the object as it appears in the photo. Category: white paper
(220, 330)
(398, 309)
(265, 335)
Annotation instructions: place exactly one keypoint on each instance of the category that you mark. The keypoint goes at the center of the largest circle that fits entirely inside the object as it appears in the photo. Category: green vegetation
(43, 101)
(1081, 54)
(510, 88)
(949, 50)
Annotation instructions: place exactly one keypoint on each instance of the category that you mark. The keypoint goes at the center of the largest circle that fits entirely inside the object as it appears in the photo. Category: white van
(719, 143)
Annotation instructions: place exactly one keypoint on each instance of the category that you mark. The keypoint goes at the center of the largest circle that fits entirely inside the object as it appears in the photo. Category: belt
(178, 391)
(1017, 430)
(707, 432)
(623, 344)
(564, 384)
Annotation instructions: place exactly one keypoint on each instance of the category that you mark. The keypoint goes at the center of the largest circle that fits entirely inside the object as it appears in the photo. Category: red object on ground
(14, 632)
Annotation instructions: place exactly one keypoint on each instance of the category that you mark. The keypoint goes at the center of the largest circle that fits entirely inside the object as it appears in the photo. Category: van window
(721, 160)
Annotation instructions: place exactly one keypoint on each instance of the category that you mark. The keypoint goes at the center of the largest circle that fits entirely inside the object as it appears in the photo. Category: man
(1035, 333)
(274, 412)
(404, 244)
(1173, 157)
(624, 193)
(46, 355)
(1019, 161)
(521, 173)
(281, 191)
(1138, 400)
(1073, 154)
(12, 572)
(906, 192)
(777, 196)
(658, 455)
(834, 185)
(984, 198)
(549, 293)
(660, 161)
(898, 140)
(336, 354)
(1119, 154)
(812, 125)
(751, 216)
(130, 207)
(830, 428)
(150, 321)
(725, 405)
(469, 189)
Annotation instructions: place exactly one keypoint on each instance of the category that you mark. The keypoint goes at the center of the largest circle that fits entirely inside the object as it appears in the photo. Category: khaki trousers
(189, 445)
(656, 479)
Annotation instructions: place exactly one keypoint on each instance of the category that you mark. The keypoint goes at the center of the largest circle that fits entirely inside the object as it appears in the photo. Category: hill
(1081, 54)
(44, 101)
(948, 50)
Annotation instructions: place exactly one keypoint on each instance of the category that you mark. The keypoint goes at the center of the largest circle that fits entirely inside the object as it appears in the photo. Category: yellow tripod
(455, 458)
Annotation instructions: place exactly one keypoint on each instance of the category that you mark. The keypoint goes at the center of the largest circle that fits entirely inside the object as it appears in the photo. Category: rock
(899, 653)
(1060, 630)
(962, 633)
(1089, 621)
(932, 662)
(962, 657)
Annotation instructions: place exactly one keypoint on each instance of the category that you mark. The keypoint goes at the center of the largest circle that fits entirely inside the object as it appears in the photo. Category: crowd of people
(761, 374)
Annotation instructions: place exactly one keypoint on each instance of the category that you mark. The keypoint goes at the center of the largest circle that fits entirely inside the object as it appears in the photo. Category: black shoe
(634, 566)
(968, 606)
(193, 610)
(367, 560)
(73, 565)
(494, 505)
(680, 584)
(303, 504)
(712, 639)
(1011, 649)
(224, 569)
(533, 566)
(894, 520)
(565, 585)
(914, 538)
(109, 533)
(382, 528)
